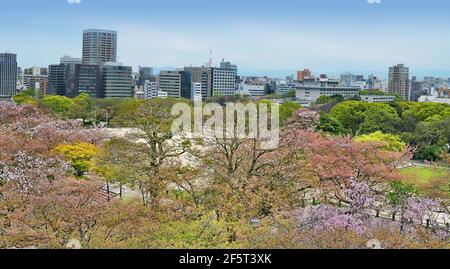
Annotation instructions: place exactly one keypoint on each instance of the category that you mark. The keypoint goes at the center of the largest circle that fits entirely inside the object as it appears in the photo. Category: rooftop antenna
(210, 58)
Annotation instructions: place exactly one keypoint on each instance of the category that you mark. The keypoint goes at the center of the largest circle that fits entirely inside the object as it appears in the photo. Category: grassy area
(418, 175)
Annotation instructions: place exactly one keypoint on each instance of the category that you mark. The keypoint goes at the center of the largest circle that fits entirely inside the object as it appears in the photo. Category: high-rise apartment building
(117, 81)
(177, 84)
(8, 76)
(99, 46)
(399, 81)
(150, 90)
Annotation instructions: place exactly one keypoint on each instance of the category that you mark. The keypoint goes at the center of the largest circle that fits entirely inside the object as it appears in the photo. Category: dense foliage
(424, 126)
(58, 181)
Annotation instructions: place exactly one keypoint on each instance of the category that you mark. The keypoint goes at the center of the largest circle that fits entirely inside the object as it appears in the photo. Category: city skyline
(327, 36)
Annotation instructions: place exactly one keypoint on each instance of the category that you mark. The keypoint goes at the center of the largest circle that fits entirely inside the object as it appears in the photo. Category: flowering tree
(354, 217)
(40, 205)
(79, 155)
(335, 162)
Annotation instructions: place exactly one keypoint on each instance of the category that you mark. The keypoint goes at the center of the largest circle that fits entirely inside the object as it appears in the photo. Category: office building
(99, 46)
(252, 90)
(145, 74)
(202, 75)
(197, 91)
(177, 84)
(416, 89)
(57, 79)
(304, 74)
(284, 86)
(224, 79)
(378, 98)
(434, 99)
(8, 76)
(83, 78)
(348, 79)
(117, 81)
(70, 60)
(312, 93)
(399, 81)
(36, 78)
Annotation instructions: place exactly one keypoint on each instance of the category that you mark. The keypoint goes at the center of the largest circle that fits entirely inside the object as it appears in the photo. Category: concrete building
(224, 79)
(252, 90)
(304, 74)
(99, 46)
(204, 76)
(36, 71)
(145, 74)
(177, 84)
(8, 76)
(416, 89)
(215, 81)
(349, 79)
(35, 78)
(139, 92)
(399, 81)
(284, 86)
(57, 79)
(117, 81)
(197, 91)
(443, 92)
(83, 78)
(70, 60)
(378, 98)
(312, 93)
(150, 89)
(434, 99)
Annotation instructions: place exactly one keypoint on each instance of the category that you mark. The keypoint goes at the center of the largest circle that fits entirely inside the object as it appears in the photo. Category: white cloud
(74, 1)
(374, 2)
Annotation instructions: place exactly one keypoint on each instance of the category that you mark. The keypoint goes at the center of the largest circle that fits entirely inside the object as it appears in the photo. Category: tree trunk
(108, 190)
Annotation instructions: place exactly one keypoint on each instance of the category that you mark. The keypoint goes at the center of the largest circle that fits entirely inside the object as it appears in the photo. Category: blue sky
(265, 37)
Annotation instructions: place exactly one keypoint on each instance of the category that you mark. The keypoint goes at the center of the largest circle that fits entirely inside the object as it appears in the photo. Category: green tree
(364, 118)
(25, 100)
(391, 142)
(324, 99)
(379, 117)
(205, 232)
(84, 107)
(290, 94)
(60, 105)
(400, 192)
(287, 110)
(115, 162)
(423, 111)
(350, 114)
(153, 118)
(371, 92)
(432, 138)
(330, 125)
(27, 97)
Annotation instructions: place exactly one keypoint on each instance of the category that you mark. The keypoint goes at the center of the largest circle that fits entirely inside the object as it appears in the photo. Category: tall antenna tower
(210, 63)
